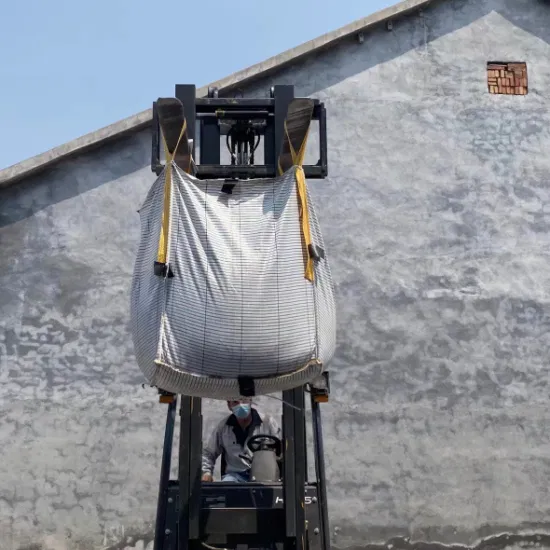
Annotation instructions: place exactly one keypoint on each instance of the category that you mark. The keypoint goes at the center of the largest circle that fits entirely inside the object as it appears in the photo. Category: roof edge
(137, 122)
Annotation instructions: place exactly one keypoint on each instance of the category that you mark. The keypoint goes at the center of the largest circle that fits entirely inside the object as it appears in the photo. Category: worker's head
(241, 409)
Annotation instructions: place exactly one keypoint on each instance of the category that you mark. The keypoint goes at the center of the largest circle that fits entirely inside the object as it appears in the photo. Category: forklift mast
(290, 514)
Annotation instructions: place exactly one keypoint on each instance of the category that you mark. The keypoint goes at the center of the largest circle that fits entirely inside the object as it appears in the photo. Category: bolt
(316, 530)
(170, 500)
(314, 499)
(167, 532)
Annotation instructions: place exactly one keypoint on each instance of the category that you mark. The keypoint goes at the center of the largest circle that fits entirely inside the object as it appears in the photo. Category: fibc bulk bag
(247, 291)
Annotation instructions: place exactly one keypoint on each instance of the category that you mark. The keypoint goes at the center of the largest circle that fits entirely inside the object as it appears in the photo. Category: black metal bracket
(246, 386)
(163, 270)
(243, 121)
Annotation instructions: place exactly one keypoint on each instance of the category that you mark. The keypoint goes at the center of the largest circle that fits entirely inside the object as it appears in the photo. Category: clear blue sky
(68, 67)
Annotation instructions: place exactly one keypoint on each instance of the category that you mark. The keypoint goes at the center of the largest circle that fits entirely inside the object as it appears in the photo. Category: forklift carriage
(290, 513)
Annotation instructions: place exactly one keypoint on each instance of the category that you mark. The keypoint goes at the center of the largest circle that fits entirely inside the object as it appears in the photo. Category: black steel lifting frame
(217, 117)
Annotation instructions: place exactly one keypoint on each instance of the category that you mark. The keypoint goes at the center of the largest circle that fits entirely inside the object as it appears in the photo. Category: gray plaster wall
(436, 217)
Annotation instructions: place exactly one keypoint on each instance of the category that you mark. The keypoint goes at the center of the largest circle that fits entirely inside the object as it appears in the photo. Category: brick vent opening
(507, 78)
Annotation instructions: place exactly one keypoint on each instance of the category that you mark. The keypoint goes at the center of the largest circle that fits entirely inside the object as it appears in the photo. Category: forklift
(280, 508)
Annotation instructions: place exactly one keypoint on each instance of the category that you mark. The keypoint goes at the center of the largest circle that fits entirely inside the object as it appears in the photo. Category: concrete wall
(437, 219)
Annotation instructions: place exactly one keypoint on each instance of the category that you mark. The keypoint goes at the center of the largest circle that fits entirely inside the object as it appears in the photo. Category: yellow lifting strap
(298, 160)
(162, 251)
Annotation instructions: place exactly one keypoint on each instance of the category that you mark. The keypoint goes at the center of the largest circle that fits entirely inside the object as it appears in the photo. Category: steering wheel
(265, 443)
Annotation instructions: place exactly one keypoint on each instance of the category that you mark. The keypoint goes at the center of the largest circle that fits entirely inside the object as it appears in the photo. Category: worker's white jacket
(229, 441)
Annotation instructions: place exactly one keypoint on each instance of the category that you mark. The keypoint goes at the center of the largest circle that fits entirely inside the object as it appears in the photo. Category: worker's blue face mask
(242, 410)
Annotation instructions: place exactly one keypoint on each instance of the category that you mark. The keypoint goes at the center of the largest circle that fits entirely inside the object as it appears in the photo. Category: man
(230, 437)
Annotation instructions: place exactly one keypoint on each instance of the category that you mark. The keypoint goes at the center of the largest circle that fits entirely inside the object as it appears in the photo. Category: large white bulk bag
(244, 296)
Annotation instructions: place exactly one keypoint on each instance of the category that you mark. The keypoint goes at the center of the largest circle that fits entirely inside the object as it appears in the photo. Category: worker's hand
(207, 477)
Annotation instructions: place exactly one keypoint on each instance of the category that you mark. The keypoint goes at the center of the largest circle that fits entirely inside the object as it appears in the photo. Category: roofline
(142, 120)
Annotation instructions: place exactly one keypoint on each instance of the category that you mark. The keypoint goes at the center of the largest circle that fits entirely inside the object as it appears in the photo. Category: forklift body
(279, 508)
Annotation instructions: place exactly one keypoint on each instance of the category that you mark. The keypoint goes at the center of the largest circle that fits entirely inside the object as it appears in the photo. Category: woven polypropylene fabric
(238, 303)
